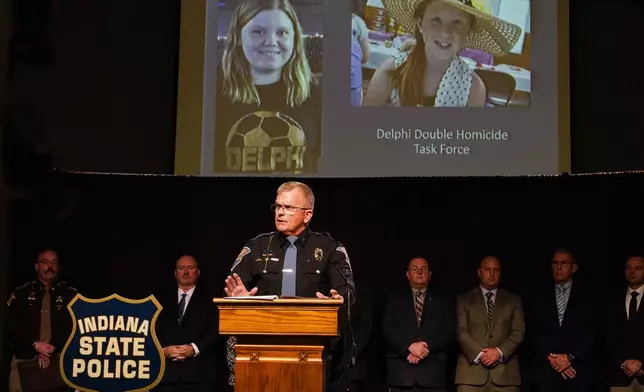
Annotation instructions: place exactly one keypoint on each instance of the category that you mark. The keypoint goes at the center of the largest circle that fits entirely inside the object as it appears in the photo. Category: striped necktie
(490, 306)
(561, 302)
(181, 308)
(420, 301)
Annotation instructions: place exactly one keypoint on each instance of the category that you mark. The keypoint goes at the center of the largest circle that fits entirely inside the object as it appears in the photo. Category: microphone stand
(349, 344)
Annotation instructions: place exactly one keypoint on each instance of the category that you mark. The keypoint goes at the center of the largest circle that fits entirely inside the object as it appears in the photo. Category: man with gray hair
(293, 260)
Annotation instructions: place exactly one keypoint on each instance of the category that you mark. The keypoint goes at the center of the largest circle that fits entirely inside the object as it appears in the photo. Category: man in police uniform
(294, 260)
(38, 322)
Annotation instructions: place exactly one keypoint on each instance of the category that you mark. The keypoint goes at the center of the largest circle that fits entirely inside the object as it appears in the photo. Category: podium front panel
(279, 368)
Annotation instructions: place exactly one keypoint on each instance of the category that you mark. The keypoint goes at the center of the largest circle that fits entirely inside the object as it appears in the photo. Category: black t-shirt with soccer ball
(270, 138)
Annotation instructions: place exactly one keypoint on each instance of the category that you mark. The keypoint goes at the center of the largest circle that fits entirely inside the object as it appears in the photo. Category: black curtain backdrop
(123, 233)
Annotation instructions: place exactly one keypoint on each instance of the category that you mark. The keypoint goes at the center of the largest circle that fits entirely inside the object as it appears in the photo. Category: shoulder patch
(262, 235)
(239, 258)
(346, 255)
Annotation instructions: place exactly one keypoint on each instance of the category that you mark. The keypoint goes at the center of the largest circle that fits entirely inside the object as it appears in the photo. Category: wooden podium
(279, 342)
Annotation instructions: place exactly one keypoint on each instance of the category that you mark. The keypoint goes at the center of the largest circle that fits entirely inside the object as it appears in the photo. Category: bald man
(188, 332)
(491, 326)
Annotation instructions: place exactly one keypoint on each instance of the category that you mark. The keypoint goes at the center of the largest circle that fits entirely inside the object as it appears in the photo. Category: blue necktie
(288, 271)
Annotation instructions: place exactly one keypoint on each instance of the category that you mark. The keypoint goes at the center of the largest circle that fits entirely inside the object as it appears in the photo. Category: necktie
(632, 306)
(561, 303)
(490, 306)
(288, 271)
(420, 302)
(181, 307)
(45, 316)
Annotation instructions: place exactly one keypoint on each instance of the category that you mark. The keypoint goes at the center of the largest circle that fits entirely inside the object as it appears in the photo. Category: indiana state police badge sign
(113, 346)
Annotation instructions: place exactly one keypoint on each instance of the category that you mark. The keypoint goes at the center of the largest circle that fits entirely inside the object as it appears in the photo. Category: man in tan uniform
(38, 322)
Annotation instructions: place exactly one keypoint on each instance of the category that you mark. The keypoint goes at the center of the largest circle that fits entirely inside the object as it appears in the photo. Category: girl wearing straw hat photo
(428, 70)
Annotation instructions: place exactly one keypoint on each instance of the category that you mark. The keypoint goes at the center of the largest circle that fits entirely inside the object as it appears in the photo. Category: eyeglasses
(288, 209)
(562, 264)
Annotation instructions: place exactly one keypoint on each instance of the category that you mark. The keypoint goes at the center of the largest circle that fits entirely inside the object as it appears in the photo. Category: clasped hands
(417, 352)
(45, 351)
(179, 353)
(562, 365)
(633, 368)
(490, 356)
(235, 288)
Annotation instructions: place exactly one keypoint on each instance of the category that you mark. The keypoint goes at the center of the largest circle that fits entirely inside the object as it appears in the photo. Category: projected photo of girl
(429, 69)
(268, 114)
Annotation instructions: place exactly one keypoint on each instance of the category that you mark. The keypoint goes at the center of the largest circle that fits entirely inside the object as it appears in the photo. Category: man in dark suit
(491, 327)
(562, 329)
(188, 331)
(625, 339)
(418, 327)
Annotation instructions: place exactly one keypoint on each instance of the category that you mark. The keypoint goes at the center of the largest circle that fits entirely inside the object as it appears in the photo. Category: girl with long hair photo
(265, 82)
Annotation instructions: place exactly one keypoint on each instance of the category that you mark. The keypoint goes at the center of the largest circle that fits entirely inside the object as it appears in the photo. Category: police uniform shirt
(273, 117)
(24, 313)
(261, 261)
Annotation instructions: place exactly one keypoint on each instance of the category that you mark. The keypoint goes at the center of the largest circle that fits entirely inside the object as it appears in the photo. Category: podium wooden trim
(280, 343)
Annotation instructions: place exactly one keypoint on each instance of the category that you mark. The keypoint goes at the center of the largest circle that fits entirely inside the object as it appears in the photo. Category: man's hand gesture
(333, 294)
(235, 287)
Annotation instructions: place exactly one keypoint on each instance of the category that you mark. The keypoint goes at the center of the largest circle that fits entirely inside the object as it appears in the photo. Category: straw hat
(491, 34)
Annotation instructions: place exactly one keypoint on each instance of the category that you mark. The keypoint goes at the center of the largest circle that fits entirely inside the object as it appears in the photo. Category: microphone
(350, 347)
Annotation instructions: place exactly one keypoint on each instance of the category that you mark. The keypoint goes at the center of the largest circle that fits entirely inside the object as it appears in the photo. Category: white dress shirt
(188, 293)
(493, 298)
(640, 290)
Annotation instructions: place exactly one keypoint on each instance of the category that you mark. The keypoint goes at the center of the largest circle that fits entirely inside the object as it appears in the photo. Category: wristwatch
(570, 357)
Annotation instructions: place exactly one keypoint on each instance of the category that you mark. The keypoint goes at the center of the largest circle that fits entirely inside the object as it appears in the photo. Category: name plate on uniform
(113, 346)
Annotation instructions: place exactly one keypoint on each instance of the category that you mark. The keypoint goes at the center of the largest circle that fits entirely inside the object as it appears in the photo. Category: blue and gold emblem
(113, 346)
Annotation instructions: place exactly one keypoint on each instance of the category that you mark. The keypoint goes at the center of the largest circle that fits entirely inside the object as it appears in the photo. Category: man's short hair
(418, 257)
(306, 190)
(489, 257)
(43, 250)
(565, 251)
(186, 256)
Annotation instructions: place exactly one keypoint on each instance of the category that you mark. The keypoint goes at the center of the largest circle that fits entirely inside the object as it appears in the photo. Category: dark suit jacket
(624, 339)
(577, 336)
(199, 326)
(475, 332)
(400, 330)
